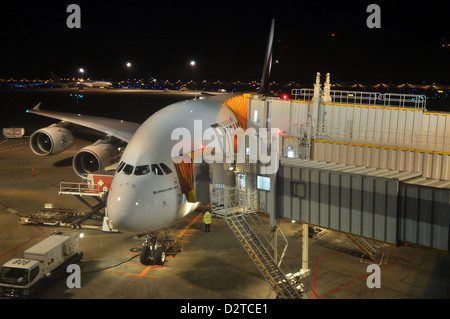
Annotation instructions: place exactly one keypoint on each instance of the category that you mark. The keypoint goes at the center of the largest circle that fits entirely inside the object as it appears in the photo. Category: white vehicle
(21, 278)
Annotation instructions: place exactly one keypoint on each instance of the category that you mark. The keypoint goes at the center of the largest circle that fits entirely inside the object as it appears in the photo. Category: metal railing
(303, 94)
(79, 188)
(367, 98)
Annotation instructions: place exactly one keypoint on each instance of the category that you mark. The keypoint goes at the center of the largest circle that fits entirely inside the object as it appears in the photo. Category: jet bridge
(373, 165)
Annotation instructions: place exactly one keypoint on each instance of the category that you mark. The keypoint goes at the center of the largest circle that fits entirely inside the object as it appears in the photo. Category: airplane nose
(124, 211)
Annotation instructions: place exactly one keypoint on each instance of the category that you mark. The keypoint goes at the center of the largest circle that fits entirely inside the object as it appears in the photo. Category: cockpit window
(121, 165)
(128, 169)
(165, 168)
(142, 170)
(157, 170)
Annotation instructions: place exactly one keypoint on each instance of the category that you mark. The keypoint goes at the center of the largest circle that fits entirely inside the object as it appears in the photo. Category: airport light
(128, 65)
(193, 67)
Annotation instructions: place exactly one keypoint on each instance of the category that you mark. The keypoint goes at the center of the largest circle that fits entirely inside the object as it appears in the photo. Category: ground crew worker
(207, 220)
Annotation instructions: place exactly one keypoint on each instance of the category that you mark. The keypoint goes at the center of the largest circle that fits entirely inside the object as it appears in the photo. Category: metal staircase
(265, 263)
(368, 247)
(256, 239)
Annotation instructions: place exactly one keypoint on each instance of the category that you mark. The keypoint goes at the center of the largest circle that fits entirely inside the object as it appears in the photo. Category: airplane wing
(120, 129)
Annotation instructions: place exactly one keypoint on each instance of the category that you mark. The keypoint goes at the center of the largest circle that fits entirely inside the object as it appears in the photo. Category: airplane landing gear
(154, 250)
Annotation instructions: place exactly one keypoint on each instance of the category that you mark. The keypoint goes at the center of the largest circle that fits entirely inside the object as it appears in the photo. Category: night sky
(227, 39)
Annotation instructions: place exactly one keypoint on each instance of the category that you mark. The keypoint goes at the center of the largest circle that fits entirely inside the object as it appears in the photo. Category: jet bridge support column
(305, 253)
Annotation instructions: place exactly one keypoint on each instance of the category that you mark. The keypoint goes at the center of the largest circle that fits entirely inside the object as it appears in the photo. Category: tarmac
(210, 266)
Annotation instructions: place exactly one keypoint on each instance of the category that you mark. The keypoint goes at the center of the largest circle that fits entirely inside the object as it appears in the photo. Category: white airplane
(94, 84)
(148, 192)
(80, 84)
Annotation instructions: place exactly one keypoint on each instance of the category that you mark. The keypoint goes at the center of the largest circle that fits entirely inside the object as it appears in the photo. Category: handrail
(285, 247)
(81, 188)
(367, 98)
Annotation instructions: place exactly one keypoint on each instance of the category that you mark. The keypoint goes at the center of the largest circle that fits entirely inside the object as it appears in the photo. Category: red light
(285, 97)
(279, 132)
(333, 35)
(202, 147)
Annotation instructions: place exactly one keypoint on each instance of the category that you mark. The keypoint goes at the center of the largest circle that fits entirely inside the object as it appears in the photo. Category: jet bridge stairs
(370, 248)
(256, 239)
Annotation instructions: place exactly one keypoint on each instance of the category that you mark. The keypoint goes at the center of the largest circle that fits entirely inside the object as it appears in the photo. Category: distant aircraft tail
(264, 88)
(54, 77)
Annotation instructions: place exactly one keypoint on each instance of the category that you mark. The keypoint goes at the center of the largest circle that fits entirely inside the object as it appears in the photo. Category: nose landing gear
(155, 250)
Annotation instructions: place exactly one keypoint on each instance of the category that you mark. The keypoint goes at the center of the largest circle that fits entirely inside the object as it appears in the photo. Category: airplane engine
(51, 140)
(95, 157)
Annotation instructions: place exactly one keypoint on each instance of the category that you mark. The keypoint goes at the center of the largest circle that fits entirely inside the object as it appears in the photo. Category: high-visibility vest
(207, 218)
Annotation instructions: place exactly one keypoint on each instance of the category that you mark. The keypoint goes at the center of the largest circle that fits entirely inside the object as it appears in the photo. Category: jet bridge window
(165, 168)
(298, 189)
(128, 169)
(157, 170)
(142, 170)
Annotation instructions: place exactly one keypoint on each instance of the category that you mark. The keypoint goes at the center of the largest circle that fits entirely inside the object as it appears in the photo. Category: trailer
(52, 217)
(13, 132)
(58, 217)
(47, 260)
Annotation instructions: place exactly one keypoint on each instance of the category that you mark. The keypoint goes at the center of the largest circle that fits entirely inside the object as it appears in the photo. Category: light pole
(193, 68)
(128, 64)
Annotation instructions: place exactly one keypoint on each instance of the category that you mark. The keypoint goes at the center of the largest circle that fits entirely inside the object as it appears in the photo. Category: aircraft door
(202, 182)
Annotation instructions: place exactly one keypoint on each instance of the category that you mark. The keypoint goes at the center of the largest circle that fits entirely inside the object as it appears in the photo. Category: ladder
(366, 245)
(283, 287)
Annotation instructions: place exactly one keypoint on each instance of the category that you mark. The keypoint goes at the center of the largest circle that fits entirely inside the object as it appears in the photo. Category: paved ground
(211, 265)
